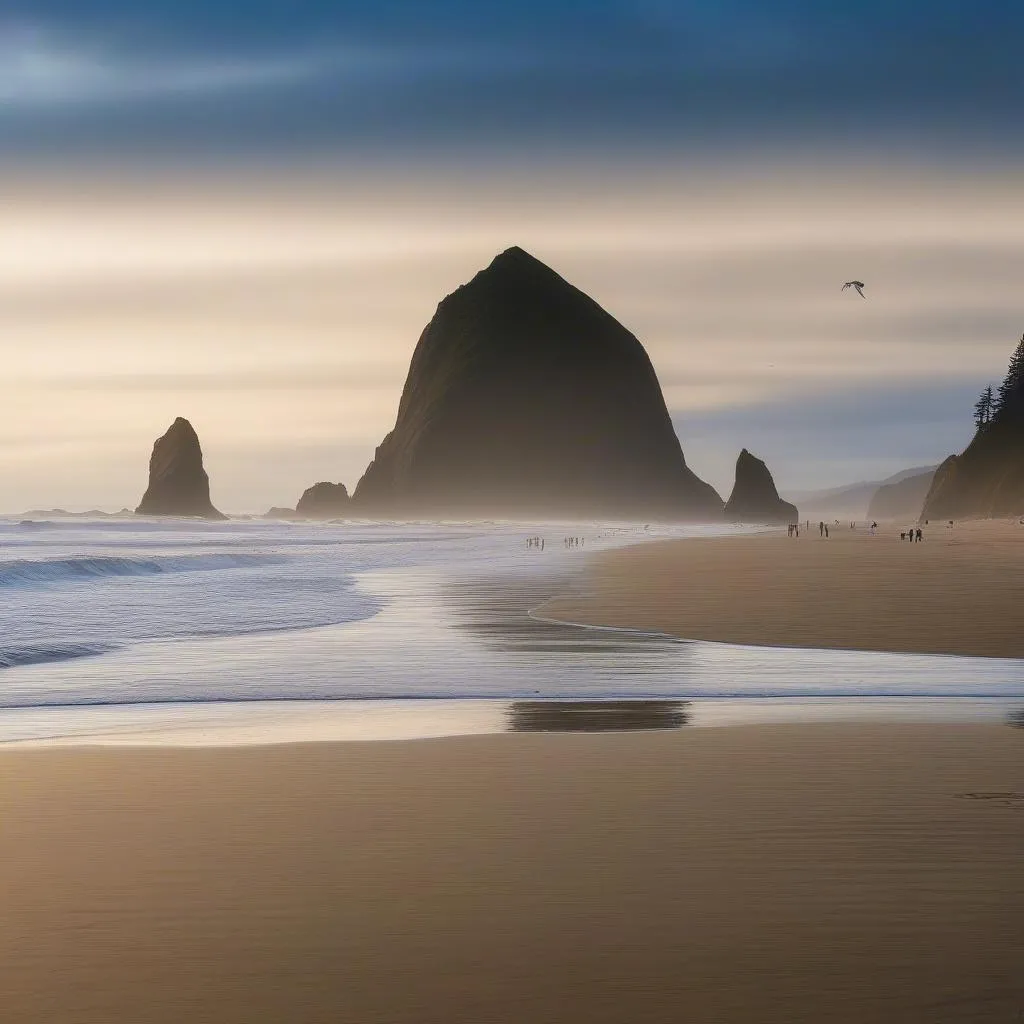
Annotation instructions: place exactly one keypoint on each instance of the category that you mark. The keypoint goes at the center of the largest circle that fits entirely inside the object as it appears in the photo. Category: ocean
(256, 631)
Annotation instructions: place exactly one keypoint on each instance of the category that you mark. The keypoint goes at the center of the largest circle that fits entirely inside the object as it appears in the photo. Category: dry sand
(841, 873)
(960, 591)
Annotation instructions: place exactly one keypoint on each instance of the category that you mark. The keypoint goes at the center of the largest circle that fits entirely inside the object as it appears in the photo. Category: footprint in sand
(1008, 799)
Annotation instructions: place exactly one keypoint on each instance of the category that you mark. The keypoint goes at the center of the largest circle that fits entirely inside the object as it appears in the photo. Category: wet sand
(835, 872)
(960, 591)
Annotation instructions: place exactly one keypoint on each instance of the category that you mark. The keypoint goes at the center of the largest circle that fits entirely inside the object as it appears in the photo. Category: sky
(245, 213)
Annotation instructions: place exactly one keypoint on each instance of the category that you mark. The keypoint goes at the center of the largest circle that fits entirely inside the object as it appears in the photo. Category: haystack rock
(754, 498)
(986, 480)
(524, 397)
(178, 484)
(323, 501)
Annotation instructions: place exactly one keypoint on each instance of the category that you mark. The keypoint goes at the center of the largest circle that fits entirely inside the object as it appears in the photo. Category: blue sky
(452, 77)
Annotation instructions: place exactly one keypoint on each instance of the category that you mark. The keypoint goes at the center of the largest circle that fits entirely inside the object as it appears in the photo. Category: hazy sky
(246, 213)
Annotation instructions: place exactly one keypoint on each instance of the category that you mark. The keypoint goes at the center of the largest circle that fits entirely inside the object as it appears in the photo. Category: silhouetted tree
(1011, 391)
(984, 408)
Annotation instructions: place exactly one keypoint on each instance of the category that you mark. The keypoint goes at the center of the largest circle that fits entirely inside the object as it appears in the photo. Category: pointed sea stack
(323, 501)
(524, 397)
(178, 484)
(754, 498)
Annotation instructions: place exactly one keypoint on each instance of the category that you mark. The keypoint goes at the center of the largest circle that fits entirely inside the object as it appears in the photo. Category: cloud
(456, 78)
(40, 69)
(336, 380)
(284, 314)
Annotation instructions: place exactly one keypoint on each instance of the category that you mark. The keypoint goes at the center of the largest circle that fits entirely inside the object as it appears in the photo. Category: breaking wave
(38, 654)
(39, 572)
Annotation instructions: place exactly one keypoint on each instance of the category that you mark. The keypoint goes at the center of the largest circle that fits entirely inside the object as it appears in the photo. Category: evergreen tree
(984, 408)
(990, 404)
(1011, 391)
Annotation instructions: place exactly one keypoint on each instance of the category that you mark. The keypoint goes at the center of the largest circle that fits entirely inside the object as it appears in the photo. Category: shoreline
(652, 635)
(848, 593)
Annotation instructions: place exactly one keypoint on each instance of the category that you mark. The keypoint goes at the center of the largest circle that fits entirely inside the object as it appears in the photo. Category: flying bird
(859, 285)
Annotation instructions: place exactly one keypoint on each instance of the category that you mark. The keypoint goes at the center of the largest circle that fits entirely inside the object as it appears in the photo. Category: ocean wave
(36, 654)
(25, 572)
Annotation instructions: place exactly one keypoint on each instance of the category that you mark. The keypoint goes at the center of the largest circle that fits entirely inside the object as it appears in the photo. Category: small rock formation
(280, 513)
(63, 513)
(323, 501)
(901, 500)
(987, 479)
(524, 397)
(178, 484)
(754, 498)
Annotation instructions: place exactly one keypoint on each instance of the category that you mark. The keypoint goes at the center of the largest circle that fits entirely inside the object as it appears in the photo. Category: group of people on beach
(913, 535)
(793, 529)
(569, 542)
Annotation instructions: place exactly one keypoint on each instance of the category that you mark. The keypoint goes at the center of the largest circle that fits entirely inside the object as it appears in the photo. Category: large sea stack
(524, 397)
(754, 498)
(178, 484)
(987, 479)
(323, 501)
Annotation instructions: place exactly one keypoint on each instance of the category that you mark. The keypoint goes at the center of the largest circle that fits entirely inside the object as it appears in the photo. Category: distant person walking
(821, 529)
(919, 535)
(826, 531)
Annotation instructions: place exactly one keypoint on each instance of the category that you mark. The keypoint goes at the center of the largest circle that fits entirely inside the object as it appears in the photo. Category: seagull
(859, 285)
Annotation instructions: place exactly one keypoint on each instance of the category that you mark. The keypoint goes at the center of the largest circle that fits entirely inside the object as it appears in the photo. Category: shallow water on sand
(142, 631)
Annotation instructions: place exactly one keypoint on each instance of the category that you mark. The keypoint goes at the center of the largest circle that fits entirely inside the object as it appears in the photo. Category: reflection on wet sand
(596, 716)
(496, 610)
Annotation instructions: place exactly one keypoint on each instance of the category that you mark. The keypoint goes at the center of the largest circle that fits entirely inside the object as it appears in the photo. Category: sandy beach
(959, 591)
(768, 873)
